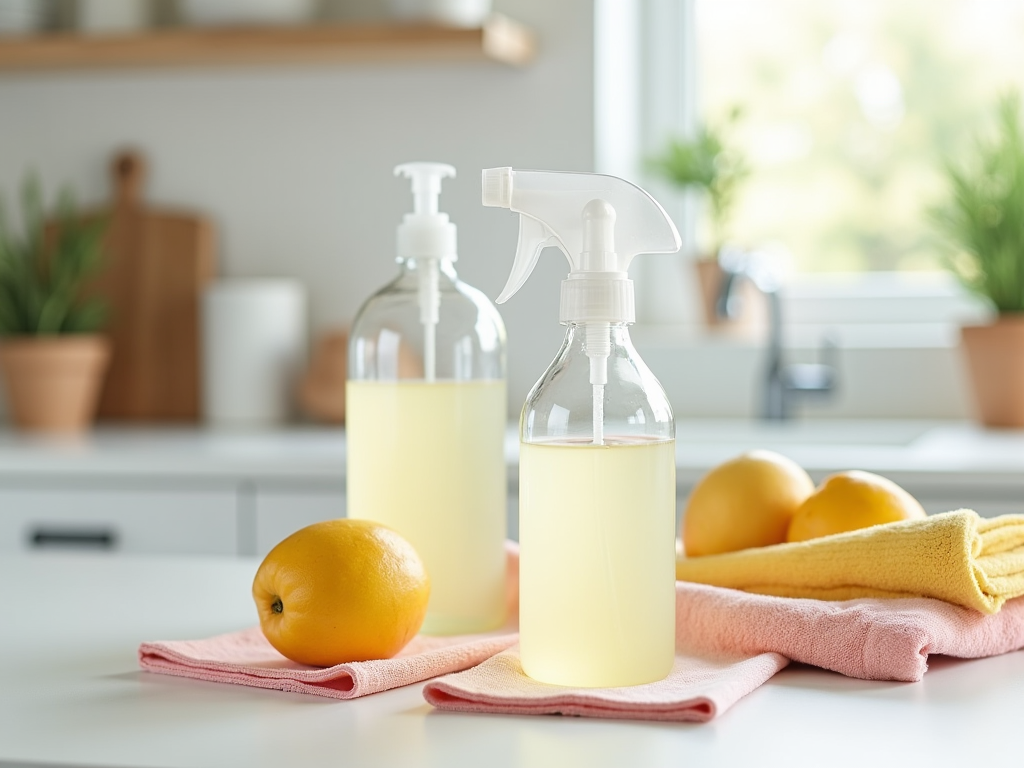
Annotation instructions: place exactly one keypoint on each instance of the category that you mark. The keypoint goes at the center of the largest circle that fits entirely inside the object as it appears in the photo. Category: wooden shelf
(500, 39)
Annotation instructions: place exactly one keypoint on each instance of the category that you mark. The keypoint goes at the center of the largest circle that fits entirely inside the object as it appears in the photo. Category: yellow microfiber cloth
(958, 557)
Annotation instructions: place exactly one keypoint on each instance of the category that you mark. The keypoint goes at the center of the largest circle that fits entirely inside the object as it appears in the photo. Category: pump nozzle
(427, 236)
(426, 183)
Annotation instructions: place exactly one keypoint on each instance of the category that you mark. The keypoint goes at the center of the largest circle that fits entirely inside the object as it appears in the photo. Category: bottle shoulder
(399, 333)
(398, 303)
(561, 404)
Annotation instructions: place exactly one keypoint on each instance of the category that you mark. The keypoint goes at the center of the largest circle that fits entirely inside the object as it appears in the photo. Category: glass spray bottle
(597, 442)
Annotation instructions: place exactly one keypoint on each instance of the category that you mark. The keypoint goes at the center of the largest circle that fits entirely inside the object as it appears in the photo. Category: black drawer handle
(74, 538)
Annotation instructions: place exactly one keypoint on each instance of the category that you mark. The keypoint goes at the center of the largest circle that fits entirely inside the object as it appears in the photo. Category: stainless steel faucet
(784, 384)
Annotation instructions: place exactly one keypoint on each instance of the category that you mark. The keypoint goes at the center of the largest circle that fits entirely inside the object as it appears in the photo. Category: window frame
(646, 90)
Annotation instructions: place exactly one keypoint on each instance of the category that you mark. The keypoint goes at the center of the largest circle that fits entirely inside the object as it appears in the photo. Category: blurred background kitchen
(243, 150)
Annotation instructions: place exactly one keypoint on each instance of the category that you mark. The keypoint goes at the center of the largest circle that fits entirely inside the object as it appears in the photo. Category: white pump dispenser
(427, 235)
(597, 442)
(426, 411)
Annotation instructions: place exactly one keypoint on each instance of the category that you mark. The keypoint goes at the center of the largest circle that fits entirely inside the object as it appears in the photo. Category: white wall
(294, 163)
(713, 377)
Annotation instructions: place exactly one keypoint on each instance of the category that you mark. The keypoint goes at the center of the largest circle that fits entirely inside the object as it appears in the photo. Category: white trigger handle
(534, 237)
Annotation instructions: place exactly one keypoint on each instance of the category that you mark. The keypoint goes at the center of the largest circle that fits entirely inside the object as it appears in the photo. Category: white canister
(245, 12)
(459, 13)
(23, 17)
(254, 349)
(108, 17)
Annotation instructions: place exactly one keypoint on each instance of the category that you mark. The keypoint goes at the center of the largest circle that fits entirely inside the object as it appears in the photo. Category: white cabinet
(236, 519)
(157, 490)
(157, 520)
(280, 512)
(198, 491)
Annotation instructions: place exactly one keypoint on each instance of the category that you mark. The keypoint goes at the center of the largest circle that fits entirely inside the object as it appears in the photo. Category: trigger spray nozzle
(599, 223)
(427, 236)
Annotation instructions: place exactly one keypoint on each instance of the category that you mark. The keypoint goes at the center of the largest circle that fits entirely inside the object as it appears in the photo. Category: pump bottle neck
(419, 263)
(618, 330)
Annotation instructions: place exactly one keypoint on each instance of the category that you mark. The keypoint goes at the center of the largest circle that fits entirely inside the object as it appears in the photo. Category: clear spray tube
(430, 303)
(598, 346)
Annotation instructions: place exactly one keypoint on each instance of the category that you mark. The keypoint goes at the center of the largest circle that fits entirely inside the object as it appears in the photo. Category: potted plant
(709, 164)
(984, 222)
(51, 357)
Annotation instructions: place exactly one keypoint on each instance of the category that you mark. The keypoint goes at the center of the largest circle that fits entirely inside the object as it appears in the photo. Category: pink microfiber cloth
(869, 638)
(697, 689)
(729, 642)
(246, 658)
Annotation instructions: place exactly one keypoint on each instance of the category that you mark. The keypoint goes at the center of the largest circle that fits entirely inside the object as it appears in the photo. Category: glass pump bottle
(425, 418)
(597, 443)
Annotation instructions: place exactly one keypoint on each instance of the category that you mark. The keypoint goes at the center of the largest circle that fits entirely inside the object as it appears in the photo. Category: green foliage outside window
(849, 107)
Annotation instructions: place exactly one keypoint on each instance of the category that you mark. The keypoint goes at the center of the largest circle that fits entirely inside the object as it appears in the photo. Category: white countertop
(907, 451)
(910, 451)
(71, 694)
(194, 452)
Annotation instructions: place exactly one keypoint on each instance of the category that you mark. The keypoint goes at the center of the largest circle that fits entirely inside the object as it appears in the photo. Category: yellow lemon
(341, 590)
(850, 500)
(746, 502)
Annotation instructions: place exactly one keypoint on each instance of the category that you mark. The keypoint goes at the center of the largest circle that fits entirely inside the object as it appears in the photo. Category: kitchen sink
(767, 434)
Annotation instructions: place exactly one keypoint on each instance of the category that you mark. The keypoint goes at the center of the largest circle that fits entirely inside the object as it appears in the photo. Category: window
(847, 109)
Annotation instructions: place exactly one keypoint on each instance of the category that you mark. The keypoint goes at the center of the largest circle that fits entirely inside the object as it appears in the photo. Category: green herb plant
(710, 163)
(984, 215)
(44, 272)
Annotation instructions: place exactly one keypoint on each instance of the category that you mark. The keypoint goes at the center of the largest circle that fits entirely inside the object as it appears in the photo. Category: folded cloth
(869, 638)
(697, 689)
(730, 642)
(246, 658)
(957, 557)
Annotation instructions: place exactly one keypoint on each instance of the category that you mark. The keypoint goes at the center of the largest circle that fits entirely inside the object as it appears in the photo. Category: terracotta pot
(322, 389)
(53, 382)
(995, 358)
(752, 312)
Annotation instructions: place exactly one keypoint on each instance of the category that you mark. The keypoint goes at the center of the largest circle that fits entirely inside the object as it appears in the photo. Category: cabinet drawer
(281, 513)
(135, 521)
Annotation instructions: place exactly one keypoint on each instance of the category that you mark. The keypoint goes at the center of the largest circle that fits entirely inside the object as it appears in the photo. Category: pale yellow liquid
(597, 566)
(427, 459)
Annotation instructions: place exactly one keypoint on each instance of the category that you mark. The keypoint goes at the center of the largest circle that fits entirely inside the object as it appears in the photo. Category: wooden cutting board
(158, 262)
